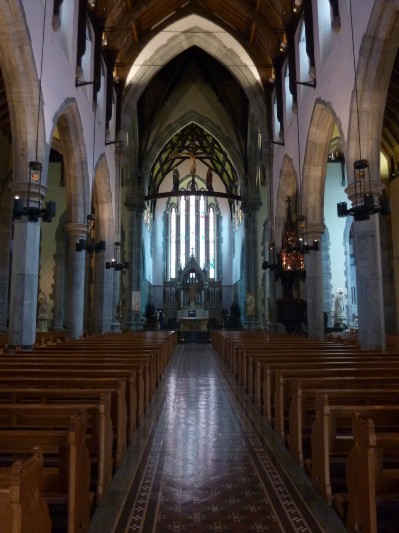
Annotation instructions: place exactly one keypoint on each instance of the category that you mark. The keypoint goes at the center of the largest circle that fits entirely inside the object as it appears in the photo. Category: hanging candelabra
(90, 245)
(116, 262)
(31, 207)
(364, 203)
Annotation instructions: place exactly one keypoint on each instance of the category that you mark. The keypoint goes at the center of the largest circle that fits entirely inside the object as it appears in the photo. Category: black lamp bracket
(79, 83)
(107, 143)
(307, 83)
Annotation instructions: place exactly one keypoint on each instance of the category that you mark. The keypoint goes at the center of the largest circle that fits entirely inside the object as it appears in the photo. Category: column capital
(250, 205)
(376, 188)
(76, 230)
(21, 189)
(315, 231)
(134, 204)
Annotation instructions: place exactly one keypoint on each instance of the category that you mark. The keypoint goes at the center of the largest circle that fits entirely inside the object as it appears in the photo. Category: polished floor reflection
(204, 460)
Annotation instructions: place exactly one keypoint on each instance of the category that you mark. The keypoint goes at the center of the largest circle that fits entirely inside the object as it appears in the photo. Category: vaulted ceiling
(258, 25)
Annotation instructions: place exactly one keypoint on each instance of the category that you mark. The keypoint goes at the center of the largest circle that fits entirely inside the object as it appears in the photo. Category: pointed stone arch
(377, 54)
(22, 88)
(102, 200)
(101, 312)
(288, 186)
(196, 33)
(321, 126)
(74, 149)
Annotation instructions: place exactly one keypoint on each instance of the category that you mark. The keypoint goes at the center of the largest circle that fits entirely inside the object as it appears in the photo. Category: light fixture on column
(90, 245)
(304, 246)
(31, 207)
(116, 260)
(271, 263)
(364, 203)
(297, 6)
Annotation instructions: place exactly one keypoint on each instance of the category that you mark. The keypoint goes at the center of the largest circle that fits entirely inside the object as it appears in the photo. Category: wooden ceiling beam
(134, 33)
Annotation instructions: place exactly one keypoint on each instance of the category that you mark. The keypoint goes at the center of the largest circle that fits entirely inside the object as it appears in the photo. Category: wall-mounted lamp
(31, 208)
(297, 6)
(81, 83)
(283, 46)
(116, 260)
(89, 245)
(364, 203)
(271, 264)
(303, 244)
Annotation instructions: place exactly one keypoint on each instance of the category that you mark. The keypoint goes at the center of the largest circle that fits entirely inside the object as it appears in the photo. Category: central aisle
(204, 460)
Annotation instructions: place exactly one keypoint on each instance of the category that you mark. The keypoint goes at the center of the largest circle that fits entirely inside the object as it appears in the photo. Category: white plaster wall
(334, 193)
(336, 90)
(58, 83)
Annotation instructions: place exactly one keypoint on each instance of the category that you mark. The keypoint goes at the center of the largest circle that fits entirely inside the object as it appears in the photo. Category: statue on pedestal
(340, 314)
(42, 317)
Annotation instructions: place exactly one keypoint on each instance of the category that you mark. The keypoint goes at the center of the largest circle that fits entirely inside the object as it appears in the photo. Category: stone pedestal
(42, 321)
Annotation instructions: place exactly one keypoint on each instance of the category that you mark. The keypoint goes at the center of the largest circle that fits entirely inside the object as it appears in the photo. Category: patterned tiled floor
(205, 461)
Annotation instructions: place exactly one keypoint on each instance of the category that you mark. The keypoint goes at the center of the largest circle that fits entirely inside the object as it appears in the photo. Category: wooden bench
(99, 434)
(66, 471)
(83, 374)
(74, 390)
(283, 376)
(22, 506)
(331, 439)
(46, 395)
(259, 363)
(134, 373)
(371, 484)
(356, 389)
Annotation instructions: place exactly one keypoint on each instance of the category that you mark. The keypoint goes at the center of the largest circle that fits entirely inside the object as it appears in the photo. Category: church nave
(204, 460)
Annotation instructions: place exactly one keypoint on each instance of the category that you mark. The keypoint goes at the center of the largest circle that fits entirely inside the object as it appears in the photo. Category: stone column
(135, 262)
(5, 239)
(103, 295)
(369, 283)
(59, 287)
(76, 280)
(24, 283)
(394, 198)
(116, 309)
(314, 287)
(252, 256)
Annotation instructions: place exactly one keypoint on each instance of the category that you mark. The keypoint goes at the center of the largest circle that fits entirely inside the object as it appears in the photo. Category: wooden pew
(370, 482)
(22, 506)
(45, 395)
(356, 389)
(283, 376)
(84, 375)
(136, 377)
(66, 477)
(259, 363)
(143, 361)
(99, 435)
(331, 438)
(57, 389)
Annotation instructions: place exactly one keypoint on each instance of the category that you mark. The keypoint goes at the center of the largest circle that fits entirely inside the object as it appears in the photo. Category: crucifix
(189, 153)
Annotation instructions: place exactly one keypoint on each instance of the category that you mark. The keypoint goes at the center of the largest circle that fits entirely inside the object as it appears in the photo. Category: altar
(192, 320)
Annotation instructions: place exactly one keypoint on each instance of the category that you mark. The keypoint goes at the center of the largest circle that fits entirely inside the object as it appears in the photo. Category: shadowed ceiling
(258, 25)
